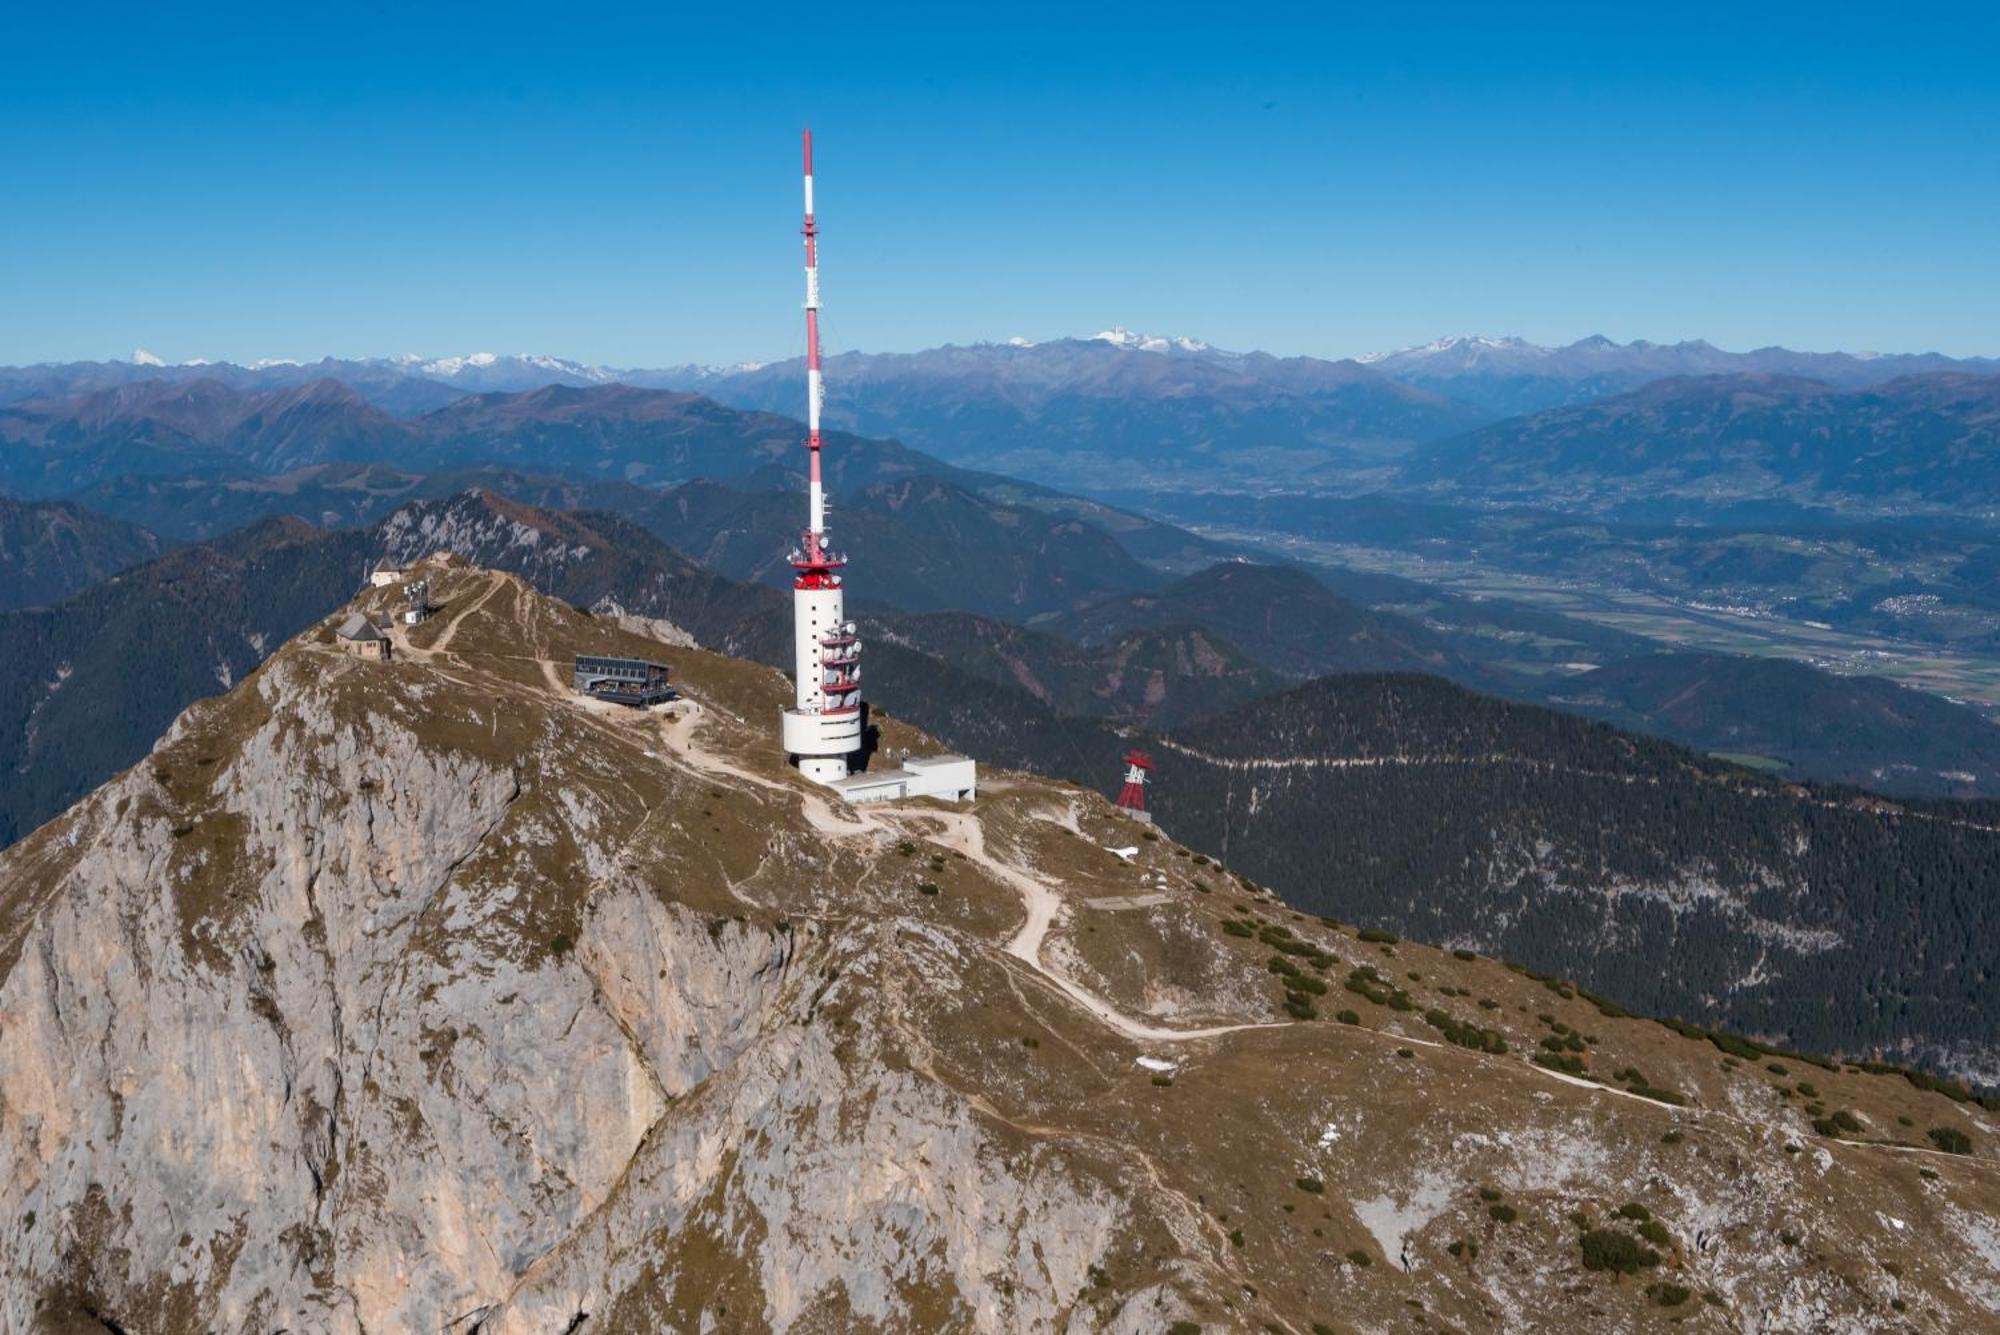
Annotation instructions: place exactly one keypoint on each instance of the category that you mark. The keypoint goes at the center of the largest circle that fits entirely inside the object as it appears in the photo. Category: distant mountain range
(1502, 377)
(1117, 411)
(1509, 377)
(1098, 411)
(169, 429)
(1913, 444)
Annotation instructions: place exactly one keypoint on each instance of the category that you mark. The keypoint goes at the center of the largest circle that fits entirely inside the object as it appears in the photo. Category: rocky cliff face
(422, 995)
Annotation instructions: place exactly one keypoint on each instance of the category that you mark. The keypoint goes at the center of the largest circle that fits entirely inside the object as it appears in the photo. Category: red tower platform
(1132, 797)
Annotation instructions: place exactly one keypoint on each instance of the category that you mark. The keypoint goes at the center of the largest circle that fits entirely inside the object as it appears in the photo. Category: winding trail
(963, 833)
(967, 836)
(494, 583)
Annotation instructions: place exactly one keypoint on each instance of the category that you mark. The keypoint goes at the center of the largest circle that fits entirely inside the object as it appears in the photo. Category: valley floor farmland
(1967, 678)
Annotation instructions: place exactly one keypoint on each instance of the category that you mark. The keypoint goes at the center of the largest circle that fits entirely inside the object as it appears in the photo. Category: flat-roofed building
(953, 778)
(625, 681)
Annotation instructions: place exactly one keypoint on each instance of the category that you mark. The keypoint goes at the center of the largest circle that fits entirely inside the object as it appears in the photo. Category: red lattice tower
(1132, 797)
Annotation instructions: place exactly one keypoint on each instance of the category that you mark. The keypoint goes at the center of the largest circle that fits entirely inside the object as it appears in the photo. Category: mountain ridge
(697, 1046)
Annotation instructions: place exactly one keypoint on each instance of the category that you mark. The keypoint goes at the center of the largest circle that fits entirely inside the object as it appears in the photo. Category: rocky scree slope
(424, 995)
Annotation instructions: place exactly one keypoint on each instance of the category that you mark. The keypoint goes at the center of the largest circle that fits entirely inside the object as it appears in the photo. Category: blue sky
(619, 185)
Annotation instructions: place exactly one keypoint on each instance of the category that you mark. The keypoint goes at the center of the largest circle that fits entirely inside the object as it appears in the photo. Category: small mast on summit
(823, 726)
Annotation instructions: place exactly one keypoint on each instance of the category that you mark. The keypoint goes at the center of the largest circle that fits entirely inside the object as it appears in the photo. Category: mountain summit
(425, 994)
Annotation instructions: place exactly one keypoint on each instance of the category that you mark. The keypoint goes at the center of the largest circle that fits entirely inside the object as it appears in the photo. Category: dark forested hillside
(1860, 730)
(1157, 677)
(87, 684)
(1280, 616)
(928, 544)
(1680, 885)
(50, 549)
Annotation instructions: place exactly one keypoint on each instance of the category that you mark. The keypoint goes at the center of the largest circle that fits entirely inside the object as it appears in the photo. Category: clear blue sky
(619, 185)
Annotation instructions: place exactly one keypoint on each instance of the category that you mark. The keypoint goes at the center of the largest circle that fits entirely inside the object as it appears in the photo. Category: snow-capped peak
(1463, 344)
(449, 368)
(265, 363)
(1121, 337)
(1018, 342)
(141, 357)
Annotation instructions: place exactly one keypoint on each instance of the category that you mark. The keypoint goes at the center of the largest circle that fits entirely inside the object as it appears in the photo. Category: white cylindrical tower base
(823, 769)
(821, 731)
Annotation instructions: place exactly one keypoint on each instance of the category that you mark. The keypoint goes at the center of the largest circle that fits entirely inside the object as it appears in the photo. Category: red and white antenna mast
(815, 535)
(1132, 797)
(823, 726)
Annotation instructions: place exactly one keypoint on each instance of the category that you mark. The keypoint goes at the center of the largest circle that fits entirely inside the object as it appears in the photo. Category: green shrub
(1951, 1140)
(1634, 1210)
(1807, 1088)
(1656, 1233)
(1464, 954)
(1465, 1034)
(1164, 1081)
(1673, 1137)
(1236, 1237)
(1311, 1184)
(1490, 1193)
(1184, 1328)
(1360, 1257)
(1465, 1249)
(1298, 1007)
(1406, 1052)
(1568, 1065)
(927, 887)
(1503, 1214)
(1609, 1249)
(1669, 1295)
(1235, 928)
(1348, 1017)
(1376, 936)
